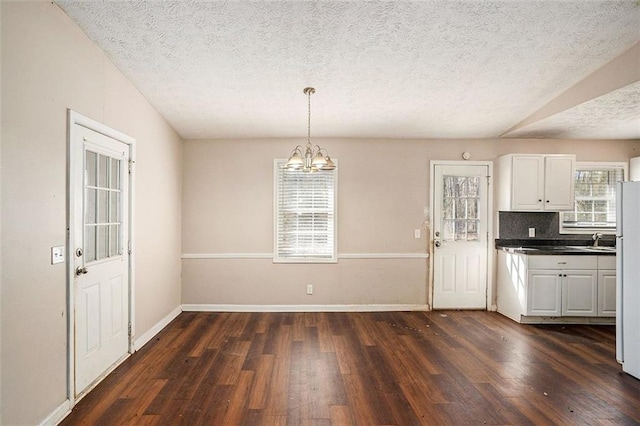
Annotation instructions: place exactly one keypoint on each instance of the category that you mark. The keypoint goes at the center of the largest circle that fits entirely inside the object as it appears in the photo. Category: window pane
(461, 208)
(103, 206)
(584, 217)
(461, 187)
(584, 205)
(114, 240)
(115, 174)
(461, 230)
(472, 208)
(114, 207)
(103, 241)
(474, 187)
(449, 182)
(90, 206)
(448, 230)
(90, 168)
(472, 230)
(447, 208)
(583, 190)
(103, 171)
(89, 243)
(600, 206)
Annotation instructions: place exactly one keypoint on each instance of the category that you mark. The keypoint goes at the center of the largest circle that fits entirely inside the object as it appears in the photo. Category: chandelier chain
(309, 92)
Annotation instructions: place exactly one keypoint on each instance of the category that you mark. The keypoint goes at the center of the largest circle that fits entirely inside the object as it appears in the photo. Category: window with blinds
(595, 199)
(305, 215)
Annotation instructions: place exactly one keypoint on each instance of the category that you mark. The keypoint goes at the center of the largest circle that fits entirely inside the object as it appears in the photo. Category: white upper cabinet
(527, 182)
(530, 182)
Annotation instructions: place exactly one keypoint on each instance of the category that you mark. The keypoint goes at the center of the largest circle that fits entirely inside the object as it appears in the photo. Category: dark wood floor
(389, 368)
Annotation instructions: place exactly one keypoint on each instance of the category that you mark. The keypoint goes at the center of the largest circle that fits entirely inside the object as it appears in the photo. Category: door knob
(436, 243)
(81, 270)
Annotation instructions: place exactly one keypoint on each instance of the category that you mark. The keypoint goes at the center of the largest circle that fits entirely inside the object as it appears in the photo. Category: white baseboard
(146, 337)
(301, 308)
(57, 415)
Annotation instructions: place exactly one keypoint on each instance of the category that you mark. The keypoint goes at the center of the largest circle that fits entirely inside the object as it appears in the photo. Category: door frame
(75, 119)
(491, 305)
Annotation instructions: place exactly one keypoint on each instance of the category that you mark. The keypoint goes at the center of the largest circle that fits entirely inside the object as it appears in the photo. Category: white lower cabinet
(555, 286)
(557, 292)
(544, 294)
(607, 293)
(580, 293)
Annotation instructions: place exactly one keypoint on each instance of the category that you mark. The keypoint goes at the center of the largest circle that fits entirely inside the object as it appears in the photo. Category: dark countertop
(555, 247)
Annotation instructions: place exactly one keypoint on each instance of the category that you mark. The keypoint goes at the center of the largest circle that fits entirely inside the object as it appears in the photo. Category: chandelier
(314, 158)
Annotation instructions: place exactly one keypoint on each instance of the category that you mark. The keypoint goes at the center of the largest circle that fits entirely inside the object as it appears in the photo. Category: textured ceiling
(429, 69)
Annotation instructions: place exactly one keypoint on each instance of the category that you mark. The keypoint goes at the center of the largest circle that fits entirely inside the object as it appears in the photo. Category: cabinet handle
(547, 201)
(540, 200)
(559, 275)
(562, 263)
(565, 275)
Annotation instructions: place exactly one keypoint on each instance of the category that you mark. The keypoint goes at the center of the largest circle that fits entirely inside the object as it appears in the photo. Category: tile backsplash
(515, 225)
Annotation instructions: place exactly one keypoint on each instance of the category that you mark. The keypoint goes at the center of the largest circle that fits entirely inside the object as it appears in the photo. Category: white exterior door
(460, 225)
(99, 179)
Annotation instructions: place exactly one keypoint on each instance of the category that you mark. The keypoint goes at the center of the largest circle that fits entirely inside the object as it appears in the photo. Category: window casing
(305, 207)
(595, 199)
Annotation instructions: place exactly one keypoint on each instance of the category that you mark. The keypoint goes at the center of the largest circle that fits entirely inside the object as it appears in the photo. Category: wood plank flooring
(391, 368)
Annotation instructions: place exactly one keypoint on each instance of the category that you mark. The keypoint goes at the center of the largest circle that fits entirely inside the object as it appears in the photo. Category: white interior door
(460, 225)
(100, 257)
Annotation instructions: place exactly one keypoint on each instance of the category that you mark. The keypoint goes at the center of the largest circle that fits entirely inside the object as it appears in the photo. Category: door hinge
(131, 162)
(129, 330)
(129, 247)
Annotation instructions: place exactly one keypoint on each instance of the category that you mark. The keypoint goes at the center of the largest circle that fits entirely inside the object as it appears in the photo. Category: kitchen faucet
(596, 238)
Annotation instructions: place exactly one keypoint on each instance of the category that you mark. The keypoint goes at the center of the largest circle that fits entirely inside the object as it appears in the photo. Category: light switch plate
(57, 255)
(532, 232)
(416, 233)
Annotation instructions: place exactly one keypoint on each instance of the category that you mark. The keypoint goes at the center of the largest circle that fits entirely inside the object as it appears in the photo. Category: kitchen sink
(595, 249)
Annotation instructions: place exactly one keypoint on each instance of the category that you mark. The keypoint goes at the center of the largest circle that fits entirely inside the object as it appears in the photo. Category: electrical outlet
(309, 288)
(57, 254)
(532, 232)
(416, 234)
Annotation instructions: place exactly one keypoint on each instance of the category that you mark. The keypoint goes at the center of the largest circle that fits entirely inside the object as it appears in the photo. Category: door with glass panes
(100, 182)
(460, 220)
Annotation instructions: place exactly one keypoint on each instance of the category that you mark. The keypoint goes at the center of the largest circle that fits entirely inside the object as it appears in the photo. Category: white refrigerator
(628, 277)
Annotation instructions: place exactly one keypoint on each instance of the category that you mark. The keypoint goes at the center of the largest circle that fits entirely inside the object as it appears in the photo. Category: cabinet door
(527, 186)
(580, 293)
(559, 182)
(544, 292)
(607, 293)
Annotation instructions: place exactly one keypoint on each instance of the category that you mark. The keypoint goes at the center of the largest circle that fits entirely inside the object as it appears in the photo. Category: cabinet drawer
(563, 262)
(606, 262)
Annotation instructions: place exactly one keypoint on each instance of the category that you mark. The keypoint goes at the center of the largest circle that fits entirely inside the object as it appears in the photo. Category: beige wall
(383, 196)
(49, 65)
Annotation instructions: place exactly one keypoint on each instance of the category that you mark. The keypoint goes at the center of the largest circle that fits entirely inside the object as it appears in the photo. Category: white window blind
(305, 215)
(595, 199)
